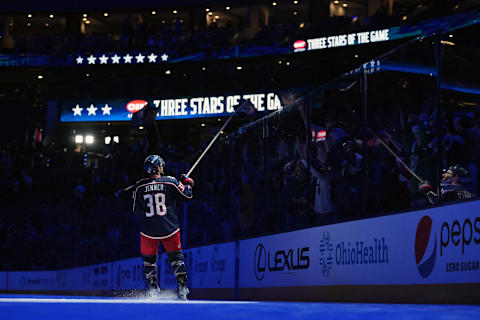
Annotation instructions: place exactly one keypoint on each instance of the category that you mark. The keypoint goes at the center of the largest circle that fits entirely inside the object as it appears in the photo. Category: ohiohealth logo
(326, 254)
(425, 247)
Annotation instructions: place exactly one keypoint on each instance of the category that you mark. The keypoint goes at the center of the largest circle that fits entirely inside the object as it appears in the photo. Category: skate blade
(183, 295)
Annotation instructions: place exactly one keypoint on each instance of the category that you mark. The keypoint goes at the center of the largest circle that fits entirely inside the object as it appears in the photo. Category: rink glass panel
(248, 183)
(208, 215)
(401, 116)
(336, 161)
(459, 96)
(289, 184)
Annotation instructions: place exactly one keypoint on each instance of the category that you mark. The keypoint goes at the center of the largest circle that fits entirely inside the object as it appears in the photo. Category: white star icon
(116, 59)
(164, 57)
(140, 58)
(91, 59)
(106, 109)
(79, 60)
(92, 110)
(152, 57)
(128, 58)
(103, 59)
(77, 111)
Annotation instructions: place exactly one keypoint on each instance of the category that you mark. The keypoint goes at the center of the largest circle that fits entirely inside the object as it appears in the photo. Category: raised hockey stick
(420, 179)
(246, 107)
(209, 145)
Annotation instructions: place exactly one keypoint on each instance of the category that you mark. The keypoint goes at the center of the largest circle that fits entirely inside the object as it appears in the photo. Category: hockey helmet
(152, 162)
(458, 170)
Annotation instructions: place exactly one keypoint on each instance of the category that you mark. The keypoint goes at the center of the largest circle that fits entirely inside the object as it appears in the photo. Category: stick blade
(246, 107)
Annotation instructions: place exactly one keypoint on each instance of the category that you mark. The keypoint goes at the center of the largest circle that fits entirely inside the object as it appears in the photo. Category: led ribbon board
(426, 28)
(168, 109)
(342, 40)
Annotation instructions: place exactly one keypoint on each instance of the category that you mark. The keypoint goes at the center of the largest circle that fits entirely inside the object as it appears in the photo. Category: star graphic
(91, 59)
(140, 58)
(116, 59)
(128, 58)
(92, 110)
(79, 60)
(106, 109)
(103, 59)
(164, 57)
(152, 57)
(77, 111)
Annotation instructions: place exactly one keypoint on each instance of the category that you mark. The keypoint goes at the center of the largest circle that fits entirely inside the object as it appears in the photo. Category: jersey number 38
(156, 204)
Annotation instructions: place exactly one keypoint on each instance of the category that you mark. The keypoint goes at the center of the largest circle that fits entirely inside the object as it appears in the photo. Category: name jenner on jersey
(155, 203)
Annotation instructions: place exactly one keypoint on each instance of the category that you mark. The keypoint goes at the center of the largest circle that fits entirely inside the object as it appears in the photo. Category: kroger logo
(201, 267)
(425, 247)
(218, 265)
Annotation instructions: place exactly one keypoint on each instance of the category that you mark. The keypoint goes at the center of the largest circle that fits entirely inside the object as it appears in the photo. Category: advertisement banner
(98, 277)
(213, 266)
(128, 274)
(34, 280)
(435, 246)
(167, 109)
(207, 267)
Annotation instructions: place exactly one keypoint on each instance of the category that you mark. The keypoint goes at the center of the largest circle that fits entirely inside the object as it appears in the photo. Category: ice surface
(166, 306)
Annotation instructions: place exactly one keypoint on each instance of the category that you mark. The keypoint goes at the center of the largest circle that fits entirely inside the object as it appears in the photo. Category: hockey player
(154, 201)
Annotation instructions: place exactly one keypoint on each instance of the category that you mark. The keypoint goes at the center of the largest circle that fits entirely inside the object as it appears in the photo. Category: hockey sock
(177, 261)
(150, 268)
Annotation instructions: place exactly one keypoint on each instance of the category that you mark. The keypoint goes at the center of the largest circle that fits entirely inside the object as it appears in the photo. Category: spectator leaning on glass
(455, 185)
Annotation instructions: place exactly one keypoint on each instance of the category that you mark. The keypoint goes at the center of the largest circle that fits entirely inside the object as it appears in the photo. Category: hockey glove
(187, 180)
(425, 187)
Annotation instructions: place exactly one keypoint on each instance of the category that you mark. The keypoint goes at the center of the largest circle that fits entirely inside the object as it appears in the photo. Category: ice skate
(153, 289)
(183, 291)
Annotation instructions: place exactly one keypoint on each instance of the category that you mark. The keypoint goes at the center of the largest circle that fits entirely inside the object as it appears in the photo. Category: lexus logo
(283, 260)
(260, 262)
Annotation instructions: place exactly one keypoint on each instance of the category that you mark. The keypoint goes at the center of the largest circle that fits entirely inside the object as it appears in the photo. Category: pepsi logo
(136, 105)
(425, 247)
(299, 45)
